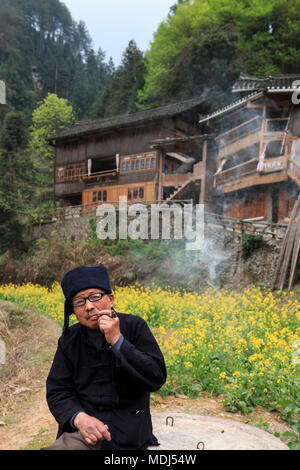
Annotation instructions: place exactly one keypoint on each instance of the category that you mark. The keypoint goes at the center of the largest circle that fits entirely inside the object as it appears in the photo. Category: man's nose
(89, 305)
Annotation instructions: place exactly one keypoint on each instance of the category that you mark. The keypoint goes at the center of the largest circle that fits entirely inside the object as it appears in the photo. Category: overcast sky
(113, 23)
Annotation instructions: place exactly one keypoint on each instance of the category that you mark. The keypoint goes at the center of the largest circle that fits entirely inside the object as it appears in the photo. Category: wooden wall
(274, 203)
(113, 192)
(123, 141)
(247, 207)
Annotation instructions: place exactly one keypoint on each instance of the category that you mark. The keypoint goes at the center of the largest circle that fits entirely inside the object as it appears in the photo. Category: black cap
(83, 277)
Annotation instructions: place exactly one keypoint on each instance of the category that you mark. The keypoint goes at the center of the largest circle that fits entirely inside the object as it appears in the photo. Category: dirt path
(26, 422)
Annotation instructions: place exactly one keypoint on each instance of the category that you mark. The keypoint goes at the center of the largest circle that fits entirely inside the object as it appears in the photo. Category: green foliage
(15, 181)
(205, 44)
(120, 93)
(250, 243)
(42, 37)
(291, 413)
(52, 115)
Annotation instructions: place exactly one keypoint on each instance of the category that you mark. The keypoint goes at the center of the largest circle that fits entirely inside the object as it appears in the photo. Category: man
(104, 369)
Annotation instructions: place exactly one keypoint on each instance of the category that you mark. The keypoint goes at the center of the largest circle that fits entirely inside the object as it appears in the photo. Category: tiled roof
(130, 119)
(271, 82)
(231, 107)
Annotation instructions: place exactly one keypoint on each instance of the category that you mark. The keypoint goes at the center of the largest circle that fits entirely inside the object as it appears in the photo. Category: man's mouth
(93, 317)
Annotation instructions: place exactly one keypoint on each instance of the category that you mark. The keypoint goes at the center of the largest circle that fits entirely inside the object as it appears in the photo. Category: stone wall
(74, 229)
(219, 264)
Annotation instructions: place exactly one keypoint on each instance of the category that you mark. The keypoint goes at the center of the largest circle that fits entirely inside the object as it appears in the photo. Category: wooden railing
(74, 212)
(243, 169)
(271, 165)
(86, 176)
(274, 125)
(257, 225)
(243, 130)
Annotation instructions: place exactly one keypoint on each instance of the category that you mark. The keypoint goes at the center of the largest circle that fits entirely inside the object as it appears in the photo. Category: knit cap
(83, 277)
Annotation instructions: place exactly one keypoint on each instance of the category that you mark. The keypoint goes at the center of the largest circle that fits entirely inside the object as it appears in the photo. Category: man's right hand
(92, 429)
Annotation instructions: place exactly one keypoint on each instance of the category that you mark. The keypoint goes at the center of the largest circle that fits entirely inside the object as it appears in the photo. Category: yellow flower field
(239, 345)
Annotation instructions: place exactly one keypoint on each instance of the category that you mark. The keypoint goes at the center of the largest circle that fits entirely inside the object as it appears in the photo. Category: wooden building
(257, 154)
(149, 155)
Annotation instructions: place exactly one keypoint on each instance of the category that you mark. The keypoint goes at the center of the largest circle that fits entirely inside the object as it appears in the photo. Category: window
(123, 166)
(132, 165)
(141, 192)
(142, 164)
(127, 166)
(148, 163)
(135, 193)
(129, 194)
(152, 162)
(99, 195)
(137, 165)
(104, 195)
(94, 196)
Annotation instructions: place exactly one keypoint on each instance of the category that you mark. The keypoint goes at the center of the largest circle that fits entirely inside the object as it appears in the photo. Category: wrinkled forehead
(85, 292)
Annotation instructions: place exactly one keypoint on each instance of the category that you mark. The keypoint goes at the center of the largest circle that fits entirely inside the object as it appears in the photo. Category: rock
(189, 431)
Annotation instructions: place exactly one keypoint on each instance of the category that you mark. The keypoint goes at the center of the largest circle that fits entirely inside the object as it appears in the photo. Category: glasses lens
(78, 303)
(92, 298)
(95, 297)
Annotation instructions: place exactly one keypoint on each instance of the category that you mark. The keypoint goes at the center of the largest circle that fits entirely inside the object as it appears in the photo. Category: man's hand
(92, 429)
(110, 327)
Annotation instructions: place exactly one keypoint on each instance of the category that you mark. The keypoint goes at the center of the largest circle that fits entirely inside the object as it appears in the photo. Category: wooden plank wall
(243, 209)
(113, 192)
(259, 204)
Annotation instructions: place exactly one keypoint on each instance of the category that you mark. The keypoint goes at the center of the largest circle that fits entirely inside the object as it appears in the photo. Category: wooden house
(257, 154)
(150, 155)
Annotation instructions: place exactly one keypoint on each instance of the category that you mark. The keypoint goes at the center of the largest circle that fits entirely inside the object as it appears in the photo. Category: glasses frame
(100, 294)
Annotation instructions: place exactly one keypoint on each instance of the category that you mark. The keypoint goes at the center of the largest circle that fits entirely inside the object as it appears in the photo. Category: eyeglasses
(80, 302)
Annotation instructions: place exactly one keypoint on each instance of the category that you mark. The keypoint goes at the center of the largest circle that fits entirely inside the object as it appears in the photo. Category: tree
(120, 93)
(52, 115)
(41, 37)
(15, 181)
(206, 44)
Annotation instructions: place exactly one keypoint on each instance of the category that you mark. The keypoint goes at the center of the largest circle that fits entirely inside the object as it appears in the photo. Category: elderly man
(104, 369)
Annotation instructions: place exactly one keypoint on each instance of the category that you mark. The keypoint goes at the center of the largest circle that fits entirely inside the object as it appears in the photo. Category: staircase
(179, 189)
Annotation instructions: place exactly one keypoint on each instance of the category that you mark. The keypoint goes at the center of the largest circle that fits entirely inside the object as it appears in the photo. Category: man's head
(87, 290)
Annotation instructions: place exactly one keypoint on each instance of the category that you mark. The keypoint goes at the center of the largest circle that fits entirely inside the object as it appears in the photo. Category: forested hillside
(51, 70)
(42, 49)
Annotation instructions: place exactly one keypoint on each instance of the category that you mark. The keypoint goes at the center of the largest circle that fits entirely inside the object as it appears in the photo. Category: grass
(38, 441)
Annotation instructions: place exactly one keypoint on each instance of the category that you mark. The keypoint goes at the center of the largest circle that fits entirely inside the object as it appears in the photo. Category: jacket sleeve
(60, 392)
(142, 358)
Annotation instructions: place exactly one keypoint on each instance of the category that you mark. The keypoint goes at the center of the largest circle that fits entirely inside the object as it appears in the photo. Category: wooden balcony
(240, 137)
(87, 177)
(100, 175)
(246, 175)
(249, 133)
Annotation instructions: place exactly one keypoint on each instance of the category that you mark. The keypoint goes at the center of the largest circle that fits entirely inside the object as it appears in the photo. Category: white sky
(113, 23)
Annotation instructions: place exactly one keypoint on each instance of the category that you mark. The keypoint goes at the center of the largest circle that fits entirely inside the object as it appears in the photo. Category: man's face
(88, 314)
